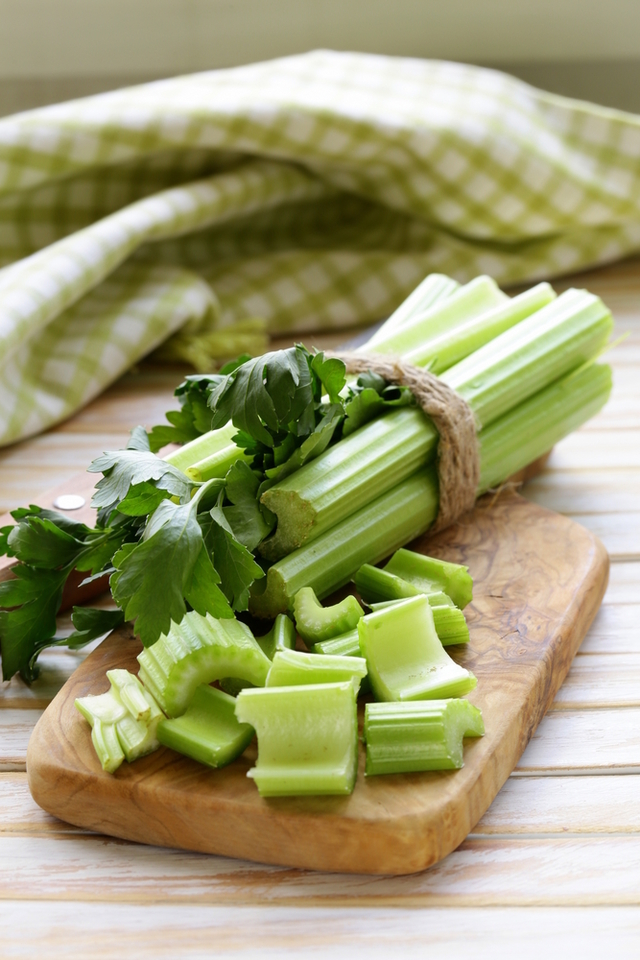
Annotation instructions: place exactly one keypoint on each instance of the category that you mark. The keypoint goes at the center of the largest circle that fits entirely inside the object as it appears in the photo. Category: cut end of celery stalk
(307, 738)
(293, 668)
(208, 731)
(418, 736)
(429, 574)
(405, 658)
(315, 622)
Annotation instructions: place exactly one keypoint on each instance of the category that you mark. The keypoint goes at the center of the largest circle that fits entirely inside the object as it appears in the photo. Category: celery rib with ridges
(208, 731)
(419, 735)
(403, 513)
(434, 289)
(199, 650)
(307, 738)
(292, 668)
(517, 364)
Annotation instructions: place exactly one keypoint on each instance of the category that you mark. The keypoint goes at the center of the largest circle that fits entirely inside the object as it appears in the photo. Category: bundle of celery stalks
(291, 482)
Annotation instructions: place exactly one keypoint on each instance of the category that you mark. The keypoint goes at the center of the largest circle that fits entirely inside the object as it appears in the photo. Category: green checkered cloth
(308, 193)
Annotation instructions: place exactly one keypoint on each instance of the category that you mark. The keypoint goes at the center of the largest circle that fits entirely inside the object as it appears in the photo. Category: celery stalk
(203, 446)
(405, 658)
(434, 289)
(451, 346)
(315, 622)
(199, 650)
(525, 359)
(475, 298)
(208, 731)
(346, 645)
(419, 735)
(217, 464)
(449, 621)
(294, 668)
(430, 574)
(307, 738)
(366, 536)
(406, 511)
(534, 353)
(282, 636)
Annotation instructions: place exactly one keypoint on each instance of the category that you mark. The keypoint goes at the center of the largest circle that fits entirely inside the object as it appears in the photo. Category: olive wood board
(539, 579)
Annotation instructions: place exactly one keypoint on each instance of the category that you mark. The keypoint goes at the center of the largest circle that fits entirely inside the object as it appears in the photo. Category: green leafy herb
(124, 469)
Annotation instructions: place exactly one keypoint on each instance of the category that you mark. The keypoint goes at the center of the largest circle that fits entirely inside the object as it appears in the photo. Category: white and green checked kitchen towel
(312, 192)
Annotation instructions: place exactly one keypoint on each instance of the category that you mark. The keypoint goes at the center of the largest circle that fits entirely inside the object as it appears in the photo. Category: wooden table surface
(562, 837)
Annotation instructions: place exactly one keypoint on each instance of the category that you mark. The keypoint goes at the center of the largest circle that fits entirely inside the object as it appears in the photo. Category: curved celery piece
(428, 574)
(307, 738)
(208, 730)
(282, 636)
(405, 658)
(422, 735)
(122, 727)
(199, 650)
(448, 619)
(293, 668)
(315, 622)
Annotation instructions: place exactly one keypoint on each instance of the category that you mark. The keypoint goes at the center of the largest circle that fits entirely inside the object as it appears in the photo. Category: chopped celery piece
(315, 622)
(346, 645)
(448, 620)
(405, 658)
(307, 738)
(216, 464)
(123, 720)
(429, 574)
(282, 636)
(434, 289)
(321, 493)
(203, 446)
(472, 300)
(293, 668)
(199, 650)
(422, 735)
(208, 730)
(366, 536)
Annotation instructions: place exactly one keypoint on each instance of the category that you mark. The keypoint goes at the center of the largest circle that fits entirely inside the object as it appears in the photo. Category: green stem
(202, 447)
(434, 289)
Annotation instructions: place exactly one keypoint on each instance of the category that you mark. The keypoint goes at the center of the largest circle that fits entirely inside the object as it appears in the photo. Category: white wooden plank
(616, 629)
(65, 931)
(598, 740)
(15, 729)
(600, 680)
(624, 583)
(588, 491)
(56, 666)
(620, 532)
(564, 804)
(594, 449)
(557, 871)
(21, 815)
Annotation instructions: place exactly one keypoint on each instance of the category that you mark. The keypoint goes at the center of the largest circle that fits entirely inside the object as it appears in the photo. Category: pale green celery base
(201, 447)
(216, 465)
(208, 731)
(531, 429)
(282, 636)
(315, 622)
(293, 668)
(475, 298)
(405, 658)
(107, 746)
(418, 736)
(368, 535)
(370, 461)
(307, 738)
(532, 355)
(200, 650)
(435, 288)
(452, 346)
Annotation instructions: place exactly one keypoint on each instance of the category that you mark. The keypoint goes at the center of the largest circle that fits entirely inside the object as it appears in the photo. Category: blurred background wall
(53, 50)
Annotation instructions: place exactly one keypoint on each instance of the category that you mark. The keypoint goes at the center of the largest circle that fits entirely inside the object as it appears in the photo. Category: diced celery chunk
(293, 668)
(282, 636)
(307, 738)
(208, 730)
(422, 735)
(315, 622)
(199, 650)
(405, 658)
(429, 574)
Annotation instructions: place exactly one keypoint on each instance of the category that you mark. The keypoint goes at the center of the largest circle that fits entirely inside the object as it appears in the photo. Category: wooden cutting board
(539, 579)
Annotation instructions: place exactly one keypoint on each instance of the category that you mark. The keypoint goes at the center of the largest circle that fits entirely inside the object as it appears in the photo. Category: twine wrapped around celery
(458, 458)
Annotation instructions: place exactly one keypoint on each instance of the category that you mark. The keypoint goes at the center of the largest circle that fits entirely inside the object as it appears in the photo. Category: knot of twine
(458, 460)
